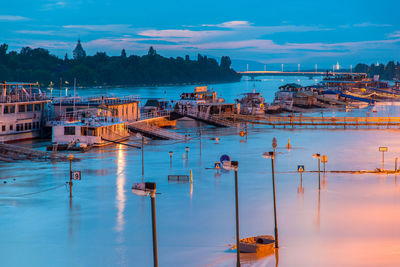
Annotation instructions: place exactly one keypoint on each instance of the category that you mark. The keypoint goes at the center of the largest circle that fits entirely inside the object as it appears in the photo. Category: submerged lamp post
(73, 175)
(235, 164)
(271, 155)
(170, 158)
(145, 189)
(274, 144)
(70, 157)
(187, 152)
(143, 140)
(318, 156)
(383, 149)
(324, 159)
(200, 141)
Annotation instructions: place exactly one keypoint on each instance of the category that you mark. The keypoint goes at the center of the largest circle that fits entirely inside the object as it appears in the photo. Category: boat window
(29, 107)
(37, 107)
(69, 130)
(84, 131)
(21, 108)
(91, 132)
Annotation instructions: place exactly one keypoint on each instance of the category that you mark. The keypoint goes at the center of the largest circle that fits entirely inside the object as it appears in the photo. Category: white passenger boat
(85, 130)
(22, 111)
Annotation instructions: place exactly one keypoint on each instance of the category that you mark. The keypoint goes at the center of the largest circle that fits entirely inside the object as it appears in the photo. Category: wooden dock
(216, 120)
(153, 131)
(11, 153)
(318, 122)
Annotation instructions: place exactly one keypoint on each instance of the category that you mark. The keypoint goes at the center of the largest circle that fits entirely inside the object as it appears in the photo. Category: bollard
(183, 155)
(191, 176)
(288, 146)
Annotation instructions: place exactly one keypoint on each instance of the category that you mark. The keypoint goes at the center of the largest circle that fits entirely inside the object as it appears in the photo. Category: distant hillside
(32, 65)
(390, 71)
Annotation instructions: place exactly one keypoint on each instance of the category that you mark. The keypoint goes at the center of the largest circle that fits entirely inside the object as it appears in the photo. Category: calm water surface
(353, 221)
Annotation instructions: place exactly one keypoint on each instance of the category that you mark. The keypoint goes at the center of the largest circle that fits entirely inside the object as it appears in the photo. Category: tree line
(390, 71)
(38, 65)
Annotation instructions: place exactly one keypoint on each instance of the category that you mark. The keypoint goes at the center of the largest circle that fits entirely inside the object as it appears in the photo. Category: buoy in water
(288, 146)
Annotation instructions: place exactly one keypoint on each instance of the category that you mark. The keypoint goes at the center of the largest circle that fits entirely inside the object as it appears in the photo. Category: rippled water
(352, 221)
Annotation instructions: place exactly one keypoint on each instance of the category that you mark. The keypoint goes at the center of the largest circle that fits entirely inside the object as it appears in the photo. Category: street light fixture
(145, 189)
(274, 143)
(318, 156)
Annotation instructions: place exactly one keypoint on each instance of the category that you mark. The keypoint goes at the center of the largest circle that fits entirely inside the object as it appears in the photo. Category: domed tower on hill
(78, 51)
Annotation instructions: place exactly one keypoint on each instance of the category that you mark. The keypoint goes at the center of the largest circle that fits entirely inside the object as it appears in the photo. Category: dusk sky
(271, 32)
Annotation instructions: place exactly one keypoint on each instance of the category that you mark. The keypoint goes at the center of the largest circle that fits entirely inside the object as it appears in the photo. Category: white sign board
(76, 175)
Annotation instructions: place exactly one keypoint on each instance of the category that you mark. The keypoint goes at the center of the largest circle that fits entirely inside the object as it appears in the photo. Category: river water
(352, 221)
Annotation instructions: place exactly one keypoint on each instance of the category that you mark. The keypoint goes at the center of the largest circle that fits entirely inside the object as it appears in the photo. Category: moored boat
(23, 109)
(84, 130)
(251, 104)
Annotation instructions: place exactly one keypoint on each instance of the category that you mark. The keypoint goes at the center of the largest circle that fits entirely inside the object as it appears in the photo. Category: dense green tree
(31, 65)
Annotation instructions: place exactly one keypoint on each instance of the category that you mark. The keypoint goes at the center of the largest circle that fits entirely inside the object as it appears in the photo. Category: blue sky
(272, 32)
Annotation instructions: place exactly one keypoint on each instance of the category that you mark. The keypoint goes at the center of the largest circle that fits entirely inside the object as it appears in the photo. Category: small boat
(262, 244)
(252, 104)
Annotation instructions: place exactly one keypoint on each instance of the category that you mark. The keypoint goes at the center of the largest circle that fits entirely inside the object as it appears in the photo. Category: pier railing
(154, 114)
(291, 121)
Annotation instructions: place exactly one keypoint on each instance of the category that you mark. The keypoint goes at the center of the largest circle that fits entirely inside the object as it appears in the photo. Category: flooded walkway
(352, 221)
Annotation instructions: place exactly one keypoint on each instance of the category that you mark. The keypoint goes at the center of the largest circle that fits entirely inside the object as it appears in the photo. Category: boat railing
(154, 114)
(95, 100)
(23, 98)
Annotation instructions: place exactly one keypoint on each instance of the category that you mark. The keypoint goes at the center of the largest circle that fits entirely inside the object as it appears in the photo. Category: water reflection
(120, 197)
(74, 218)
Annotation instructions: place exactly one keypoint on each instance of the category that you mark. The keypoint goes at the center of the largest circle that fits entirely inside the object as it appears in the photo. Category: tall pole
(74, 98)
(70, 177)
(237, 219)
(319, 173)
(383, 160)
(60, 94)
(395, 164)
(142, 156)
(153, 217)
(273, 190)
(200, 142)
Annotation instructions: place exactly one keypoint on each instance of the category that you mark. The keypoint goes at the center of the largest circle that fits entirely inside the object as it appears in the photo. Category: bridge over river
(255, 73)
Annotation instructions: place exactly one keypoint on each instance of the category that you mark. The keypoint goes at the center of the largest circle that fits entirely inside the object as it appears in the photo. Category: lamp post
(170, 158)
(274, 144)
(145, 189)
(200, 141)
(70, 157)
(271, 155)
(187, 152)
(383, 149)
(235, 164)
(143, 140)
(318, 156)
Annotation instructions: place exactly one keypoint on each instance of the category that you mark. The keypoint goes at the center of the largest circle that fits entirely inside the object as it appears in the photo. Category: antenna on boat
(74, 97)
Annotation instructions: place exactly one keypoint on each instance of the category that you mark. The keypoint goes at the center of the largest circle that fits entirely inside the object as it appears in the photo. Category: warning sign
(300, 168)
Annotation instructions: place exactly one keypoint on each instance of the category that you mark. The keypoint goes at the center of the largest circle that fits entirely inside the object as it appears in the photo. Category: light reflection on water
(120, 197)
(352, 221)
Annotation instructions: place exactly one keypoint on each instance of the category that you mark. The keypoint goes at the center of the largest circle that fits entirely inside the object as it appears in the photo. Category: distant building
(78, 51)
